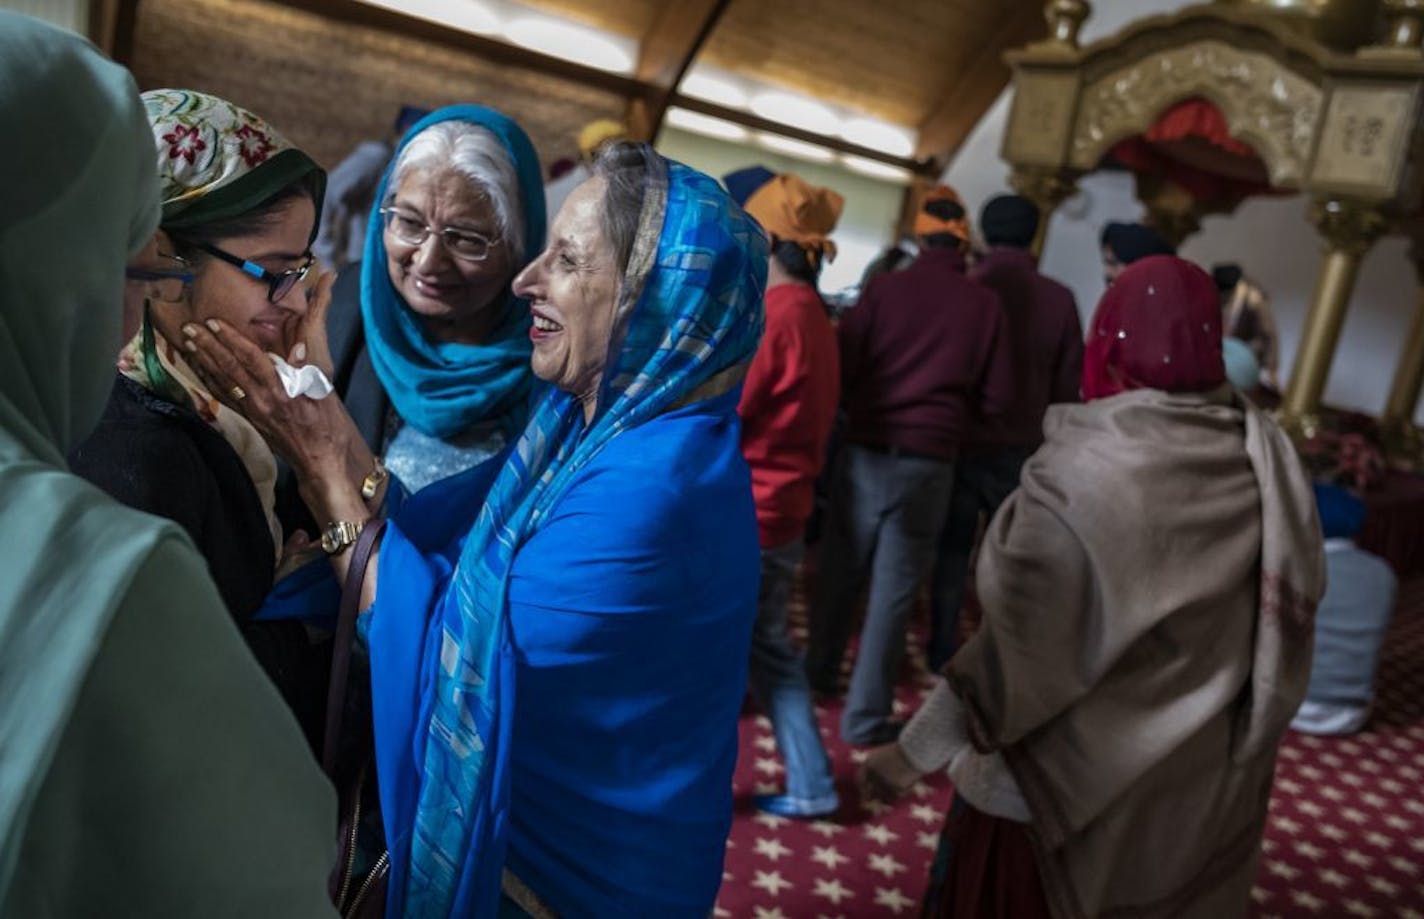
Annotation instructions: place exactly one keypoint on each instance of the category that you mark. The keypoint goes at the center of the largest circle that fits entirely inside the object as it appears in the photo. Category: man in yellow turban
(592, 138)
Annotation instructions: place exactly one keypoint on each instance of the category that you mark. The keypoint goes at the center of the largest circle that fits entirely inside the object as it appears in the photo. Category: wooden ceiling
(890, 60)
(628, 18)
(933, 66)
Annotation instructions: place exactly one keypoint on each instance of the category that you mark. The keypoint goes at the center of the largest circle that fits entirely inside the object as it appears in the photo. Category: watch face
(337, 536)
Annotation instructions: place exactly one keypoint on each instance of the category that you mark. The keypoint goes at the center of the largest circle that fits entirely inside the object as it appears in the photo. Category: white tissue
(306, 381)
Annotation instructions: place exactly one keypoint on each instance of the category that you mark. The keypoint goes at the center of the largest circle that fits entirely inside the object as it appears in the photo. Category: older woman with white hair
(431, 347)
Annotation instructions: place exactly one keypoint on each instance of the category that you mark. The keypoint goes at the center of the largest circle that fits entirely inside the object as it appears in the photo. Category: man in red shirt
(924, 356)
(1047, 343)
(788, 406)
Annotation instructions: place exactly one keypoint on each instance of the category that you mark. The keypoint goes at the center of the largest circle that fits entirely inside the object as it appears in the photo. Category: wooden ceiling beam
(665, 53)
(973, 88)
(838, 144)
(497, 52)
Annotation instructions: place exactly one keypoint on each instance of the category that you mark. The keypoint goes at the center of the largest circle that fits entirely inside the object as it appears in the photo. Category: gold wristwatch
(338, 535)
(372, 483)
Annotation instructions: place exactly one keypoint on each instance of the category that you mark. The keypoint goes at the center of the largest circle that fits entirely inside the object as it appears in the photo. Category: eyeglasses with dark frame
(279, 283)
(410, 230)
(164, 281)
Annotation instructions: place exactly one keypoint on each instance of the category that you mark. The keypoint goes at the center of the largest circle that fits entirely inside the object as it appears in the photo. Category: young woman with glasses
(239, 215)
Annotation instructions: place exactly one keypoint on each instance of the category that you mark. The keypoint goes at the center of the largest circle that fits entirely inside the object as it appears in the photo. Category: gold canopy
(1326, 92)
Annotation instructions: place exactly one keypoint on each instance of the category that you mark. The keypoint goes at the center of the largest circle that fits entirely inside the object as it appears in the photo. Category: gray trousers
(885, 519)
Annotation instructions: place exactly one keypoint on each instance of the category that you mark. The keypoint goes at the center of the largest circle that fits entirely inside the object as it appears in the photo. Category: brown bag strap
(345, 636)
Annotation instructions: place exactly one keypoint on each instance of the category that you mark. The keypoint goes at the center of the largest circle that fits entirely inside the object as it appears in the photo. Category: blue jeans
(778, 678)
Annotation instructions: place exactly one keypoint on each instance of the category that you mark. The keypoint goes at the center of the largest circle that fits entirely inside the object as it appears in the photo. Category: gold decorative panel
(1267, 105)
(1041, 121)
(1365, 138)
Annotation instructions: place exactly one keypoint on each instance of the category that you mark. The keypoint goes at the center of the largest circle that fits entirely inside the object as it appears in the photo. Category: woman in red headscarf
(1148, 595)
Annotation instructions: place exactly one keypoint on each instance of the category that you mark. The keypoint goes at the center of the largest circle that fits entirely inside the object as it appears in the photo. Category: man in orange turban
(788, 406)
(924, 354)
(942, 213)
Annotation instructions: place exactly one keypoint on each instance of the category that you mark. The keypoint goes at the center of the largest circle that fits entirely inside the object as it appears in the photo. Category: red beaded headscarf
(1157, 327)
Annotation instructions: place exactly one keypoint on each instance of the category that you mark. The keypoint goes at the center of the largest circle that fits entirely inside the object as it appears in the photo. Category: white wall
(872, 206)
(1269, 238)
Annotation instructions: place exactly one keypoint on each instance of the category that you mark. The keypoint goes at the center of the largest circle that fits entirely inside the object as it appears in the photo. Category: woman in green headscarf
(146, 766)
(239, 216)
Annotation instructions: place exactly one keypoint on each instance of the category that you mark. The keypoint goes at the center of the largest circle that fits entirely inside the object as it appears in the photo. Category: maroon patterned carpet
(1346, 836)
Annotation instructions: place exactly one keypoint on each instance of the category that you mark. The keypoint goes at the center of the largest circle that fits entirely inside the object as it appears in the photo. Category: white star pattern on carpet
(772, 882)
(834, 891)
(926, 814)
(886, 865)
(878, 833)
(770, 766)
(771, 821)
(771, 849)
(1335, 846)
(894, 899)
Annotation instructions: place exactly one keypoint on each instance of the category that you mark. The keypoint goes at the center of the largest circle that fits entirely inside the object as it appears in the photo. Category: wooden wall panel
(327, 85)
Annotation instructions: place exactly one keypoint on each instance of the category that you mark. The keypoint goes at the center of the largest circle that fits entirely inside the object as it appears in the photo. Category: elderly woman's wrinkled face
(572, 288)
(456, 297)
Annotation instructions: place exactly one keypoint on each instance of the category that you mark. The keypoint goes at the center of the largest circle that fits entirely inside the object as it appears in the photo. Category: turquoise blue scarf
(689, 320)
(443, 389)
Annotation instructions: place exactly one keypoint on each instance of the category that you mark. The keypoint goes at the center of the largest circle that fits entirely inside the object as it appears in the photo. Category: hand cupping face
(308, 433)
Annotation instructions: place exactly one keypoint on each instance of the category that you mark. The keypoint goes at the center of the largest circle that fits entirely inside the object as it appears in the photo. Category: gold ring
(237, 393)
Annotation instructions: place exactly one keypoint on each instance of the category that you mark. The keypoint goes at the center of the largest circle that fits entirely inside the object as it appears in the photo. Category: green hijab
(79, 197)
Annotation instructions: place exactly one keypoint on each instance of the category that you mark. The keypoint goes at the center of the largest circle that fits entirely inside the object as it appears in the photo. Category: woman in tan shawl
(1148, 596)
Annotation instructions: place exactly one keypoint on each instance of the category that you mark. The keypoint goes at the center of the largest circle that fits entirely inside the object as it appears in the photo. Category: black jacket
(164, 459)
(354, 377)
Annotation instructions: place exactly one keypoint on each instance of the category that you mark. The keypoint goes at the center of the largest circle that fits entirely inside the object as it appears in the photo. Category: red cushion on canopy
(1191, 144)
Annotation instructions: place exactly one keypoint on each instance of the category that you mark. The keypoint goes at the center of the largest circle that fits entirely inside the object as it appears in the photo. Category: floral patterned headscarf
(217, 161)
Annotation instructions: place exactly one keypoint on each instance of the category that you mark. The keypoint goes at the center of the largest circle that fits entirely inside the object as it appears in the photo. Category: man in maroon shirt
(1046, 337)
(787, 408)
(924, 356)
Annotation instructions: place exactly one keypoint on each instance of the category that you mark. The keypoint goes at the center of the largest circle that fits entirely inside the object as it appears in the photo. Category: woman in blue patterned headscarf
(559, 645)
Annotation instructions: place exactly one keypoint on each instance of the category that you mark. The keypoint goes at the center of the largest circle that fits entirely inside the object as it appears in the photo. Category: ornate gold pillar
(1349, 228)
(1046, 188)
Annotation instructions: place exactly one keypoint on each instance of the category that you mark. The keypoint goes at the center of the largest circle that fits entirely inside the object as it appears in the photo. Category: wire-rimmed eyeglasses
(411, 230)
